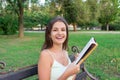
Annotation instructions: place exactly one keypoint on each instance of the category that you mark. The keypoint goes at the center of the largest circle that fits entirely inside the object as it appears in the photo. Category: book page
(90, 46)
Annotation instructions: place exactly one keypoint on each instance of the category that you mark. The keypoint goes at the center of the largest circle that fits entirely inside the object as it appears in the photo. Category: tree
(70, 12)
(67, 9)
(8, 23)
(80, 12)
(54, 6)
(18, 7)
(109, 12)
(38, 15)
(83, 13)
(94, 12)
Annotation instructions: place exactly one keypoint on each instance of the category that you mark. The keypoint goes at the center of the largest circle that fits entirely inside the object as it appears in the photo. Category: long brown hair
(48, 41)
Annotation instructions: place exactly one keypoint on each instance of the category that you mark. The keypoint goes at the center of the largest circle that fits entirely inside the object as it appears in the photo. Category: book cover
(86, 51)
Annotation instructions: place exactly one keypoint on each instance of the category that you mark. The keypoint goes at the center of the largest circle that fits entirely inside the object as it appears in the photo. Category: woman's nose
(59, 32)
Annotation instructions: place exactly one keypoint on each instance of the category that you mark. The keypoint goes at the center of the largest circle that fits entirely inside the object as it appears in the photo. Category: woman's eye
(54, 30)
(63, 29)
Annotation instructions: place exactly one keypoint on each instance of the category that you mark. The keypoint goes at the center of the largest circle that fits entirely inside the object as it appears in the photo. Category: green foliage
(115, 27)
(87, 13)
(112, 27)
(94, 12)
(8, 24)
(38, 15)
(69, 11)
(109, 11)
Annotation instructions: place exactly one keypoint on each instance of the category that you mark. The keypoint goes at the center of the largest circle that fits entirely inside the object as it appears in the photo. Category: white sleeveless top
(57, 68)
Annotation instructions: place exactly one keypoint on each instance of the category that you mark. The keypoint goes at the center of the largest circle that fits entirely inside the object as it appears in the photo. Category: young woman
(54, 63)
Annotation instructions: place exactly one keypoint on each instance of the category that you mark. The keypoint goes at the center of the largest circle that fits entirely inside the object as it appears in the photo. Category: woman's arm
(44, 66)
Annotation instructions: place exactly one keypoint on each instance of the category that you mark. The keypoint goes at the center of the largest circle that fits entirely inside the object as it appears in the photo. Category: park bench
(29, 71)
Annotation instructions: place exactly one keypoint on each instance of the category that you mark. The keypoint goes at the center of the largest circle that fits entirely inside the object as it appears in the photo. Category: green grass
(104, 62)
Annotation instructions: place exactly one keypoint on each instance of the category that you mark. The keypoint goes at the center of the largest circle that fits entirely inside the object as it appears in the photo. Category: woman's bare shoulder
(44, 53)
(45, 57)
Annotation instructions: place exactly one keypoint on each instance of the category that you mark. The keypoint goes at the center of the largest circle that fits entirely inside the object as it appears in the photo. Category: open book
(86, 51)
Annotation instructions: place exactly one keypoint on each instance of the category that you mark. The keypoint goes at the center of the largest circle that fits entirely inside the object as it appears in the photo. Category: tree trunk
(21, 28)
(74, 27)
(20, 20)
(107, 27)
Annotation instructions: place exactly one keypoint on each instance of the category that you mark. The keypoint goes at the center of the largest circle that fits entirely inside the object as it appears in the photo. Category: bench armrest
(84, 72)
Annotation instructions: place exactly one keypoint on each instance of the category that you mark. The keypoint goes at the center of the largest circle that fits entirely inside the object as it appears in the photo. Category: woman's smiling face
(58, 33)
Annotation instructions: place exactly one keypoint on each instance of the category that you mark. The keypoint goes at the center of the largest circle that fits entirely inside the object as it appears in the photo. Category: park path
(99, 32)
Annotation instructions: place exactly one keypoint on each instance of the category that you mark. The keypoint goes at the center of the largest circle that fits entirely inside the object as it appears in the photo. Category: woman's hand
(71, 70)
(76, 55)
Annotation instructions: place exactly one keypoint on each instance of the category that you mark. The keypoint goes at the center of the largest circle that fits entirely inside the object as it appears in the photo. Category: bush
(112, 27)
(32, 19)
(115, 27)
(8, 24)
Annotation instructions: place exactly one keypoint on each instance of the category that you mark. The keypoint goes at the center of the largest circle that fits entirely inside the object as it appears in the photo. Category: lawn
(104, 62)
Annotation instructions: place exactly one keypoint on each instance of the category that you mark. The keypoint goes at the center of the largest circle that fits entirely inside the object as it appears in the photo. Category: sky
(42, 1)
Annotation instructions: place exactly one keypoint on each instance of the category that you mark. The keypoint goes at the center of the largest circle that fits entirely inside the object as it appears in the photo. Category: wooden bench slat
(20, 74)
